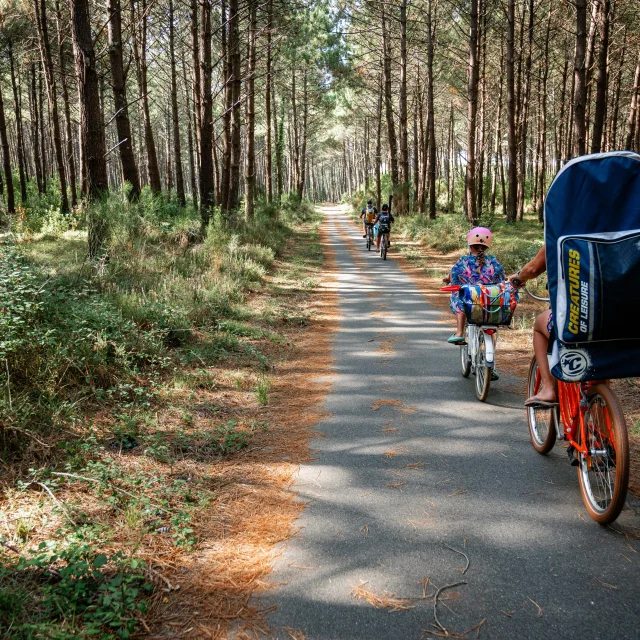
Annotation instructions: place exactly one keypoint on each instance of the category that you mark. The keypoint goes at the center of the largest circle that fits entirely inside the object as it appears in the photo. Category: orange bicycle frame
(572, 409)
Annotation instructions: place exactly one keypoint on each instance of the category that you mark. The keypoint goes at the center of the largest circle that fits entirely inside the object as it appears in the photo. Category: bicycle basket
(488, 304)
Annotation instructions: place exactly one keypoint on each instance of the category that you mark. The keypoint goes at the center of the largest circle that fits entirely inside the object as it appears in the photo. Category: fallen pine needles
(386, 600)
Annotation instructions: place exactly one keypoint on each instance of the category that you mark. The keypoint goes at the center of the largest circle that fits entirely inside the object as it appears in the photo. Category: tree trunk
(90, 118)
(278, 130)
(378, 159)
(192, 163)
(303, 151)
(615, 111)
(524, 117)
(250, 162)
(601, 86)
(482, 26)
(19, 133)
(391, 129)
(197, 90)
(10, 197)
(35, 128)
(120, 104)
(267, 105)
(431, 127)
(236, 111)
(177, 150)
(635, 97)
(470, 182)
(512, 203)
(140, 53)
(207, 192)
(580, 96)
(403, 197)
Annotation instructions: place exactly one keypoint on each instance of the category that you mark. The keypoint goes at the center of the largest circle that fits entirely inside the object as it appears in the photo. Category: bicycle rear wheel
(483, 373)
(604, 471)
(465, 358)
(383, 247)
(542, 425)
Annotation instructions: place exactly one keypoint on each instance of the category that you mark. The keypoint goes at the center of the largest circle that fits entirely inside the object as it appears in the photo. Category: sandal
(454, 339)
(494, 375)
(536, 403)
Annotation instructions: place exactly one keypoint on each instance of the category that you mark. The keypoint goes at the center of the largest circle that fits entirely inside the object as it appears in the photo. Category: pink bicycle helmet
(480, 235)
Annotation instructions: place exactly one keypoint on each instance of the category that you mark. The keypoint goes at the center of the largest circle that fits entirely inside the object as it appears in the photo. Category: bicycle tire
(383, 248)
(483, 373)
(465, 358)
(542, 425)
(602, 395)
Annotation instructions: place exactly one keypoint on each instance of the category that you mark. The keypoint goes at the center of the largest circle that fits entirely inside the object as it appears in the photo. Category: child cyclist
(385, 217)
(475, 268)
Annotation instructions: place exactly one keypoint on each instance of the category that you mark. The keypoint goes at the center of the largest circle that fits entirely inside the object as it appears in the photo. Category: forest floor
(191, 488)
(428, 266)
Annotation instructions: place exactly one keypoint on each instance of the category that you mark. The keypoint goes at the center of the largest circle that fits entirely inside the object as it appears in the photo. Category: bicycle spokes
(599, 462)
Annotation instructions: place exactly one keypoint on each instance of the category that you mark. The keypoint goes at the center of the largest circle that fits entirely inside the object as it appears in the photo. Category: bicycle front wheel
(542, 425)
(483, 373)
(604, 470)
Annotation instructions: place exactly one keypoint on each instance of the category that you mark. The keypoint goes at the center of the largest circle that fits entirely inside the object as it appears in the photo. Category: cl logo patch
(574, 364)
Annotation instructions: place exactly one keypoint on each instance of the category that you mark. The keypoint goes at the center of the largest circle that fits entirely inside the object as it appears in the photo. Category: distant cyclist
(368, 213)
(385, 217)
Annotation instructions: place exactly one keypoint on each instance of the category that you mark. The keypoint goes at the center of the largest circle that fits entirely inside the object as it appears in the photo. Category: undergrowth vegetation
(103, 371)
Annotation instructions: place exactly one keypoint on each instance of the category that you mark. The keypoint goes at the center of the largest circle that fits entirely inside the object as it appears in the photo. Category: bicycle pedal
(571, 453)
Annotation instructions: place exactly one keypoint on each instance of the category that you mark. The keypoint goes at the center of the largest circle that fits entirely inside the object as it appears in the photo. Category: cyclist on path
(386, 218)
(368, 213)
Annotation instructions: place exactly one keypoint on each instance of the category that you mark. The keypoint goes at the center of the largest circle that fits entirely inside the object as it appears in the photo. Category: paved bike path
(411, 462)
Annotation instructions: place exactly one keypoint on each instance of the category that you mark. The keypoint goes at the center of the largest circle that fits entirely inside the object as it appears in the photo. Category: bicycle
(478, 351)
(369, 235)
(383, 232)
(594, 426)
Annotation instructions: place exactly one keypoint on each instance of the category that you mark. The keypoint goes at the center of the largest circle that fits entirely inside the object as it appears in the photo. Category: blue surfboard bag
(592, 238)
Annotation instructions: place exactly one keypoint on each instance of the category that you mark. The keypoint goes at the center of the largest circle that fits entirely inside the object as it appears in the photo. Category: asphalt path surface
(412, 466)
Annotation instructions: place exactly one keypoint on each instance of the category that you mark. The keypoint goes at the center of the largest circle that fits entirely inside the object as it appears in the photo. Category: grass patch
(119, 402)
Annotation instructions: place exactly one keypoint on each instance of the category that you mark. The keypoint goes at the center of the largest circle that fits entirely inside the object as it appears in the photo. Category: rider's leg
(364, 228)
(461, 320)
(540, 343)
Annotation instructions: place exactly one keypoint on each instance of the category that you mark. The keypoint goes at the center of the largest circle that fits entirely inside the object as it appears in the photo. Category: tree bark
(177, 149)
(140, 53)
(250, 163)
(35, 128)
(120, 104)
(391, 129)
(207, 192)
(236, 111)
(635, 97)
(472, 89)
(580, 96)
(267, 106)
(431, 130)
(90, 118)
(601, 83)
(4, 140)
(62, 63)
(402, 205)
(512, 203)
(19, 132)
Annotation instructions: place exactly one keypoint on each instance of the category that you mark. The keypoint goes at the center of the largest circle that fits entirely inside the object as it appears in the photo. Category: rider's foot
(364, 235)
(539, 401)
(494, 375)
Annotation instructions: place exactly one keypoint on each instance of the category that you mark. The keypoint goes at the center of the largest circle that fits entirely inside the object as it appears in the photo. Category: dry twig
(466, 557)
